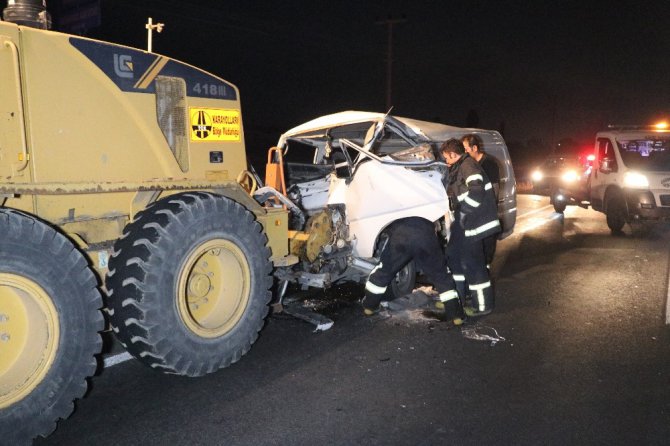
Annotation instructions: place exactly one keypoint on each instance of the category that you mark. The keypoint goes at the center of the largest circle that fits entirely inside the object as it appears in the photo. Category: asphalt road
(585, 360)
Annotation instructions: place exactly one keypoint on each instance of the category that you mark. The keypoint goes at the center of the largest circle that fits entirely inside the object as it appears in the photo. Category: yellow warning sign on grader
(215, 124)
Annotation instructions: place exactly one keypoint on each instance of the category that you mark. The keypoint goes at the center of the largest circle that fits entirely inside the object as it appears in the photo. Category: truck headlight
(421, 152)
(536, 176)
(569, 177)
(635, 180)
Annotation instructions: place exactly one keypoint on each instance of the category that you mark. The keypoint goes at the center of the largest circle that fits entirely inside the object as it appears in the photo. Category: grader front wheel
(189, 283)
(213, 288)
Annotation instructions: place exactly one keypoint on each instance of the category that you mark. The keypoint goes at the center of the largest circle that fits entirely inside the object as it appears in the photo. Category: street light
(150, 26)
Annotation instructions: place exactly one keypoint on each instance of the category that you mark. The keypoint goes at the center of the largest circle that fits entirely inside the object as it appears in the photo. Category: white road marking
(528, 221)
(536, 223)
(117, 359)
(534, 211)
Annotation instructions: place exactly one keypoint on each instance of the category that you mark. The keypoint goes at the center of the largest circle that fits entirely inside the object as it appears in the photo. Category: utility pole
(150, 26)
(389, 22)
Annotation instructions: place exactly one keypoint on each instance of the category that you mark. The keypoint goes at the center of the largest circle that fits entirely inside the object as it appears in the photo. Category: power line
(389, 22)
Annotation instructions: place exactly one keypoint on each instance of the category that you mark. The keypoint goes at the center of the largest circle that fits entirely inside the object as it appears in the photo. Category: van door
(13, 154)
(494, 145)
(605, 169)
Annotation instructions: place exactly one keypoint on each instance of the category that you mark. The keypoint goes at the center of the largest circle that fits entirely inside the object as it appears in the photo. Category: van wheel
(50, 321)
(558, 203)
(403, 283)
(616, 213)
(189, 283)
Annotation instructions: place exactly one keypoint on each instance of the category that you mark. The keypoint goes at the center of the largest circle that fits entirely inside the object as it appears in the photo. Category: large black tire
(403, 283)
(188, 284)
(617, 213)
(50, 321)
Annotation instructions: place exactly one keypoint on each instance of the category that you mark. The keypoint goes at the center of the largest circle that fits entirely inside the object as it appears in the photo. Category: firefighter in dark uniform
(415, 239)
(475, 213)
(473, 147)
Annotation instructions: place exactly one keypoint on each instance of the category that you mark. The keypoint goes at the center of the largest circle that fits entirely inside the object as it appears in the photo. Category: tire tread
(136, 266)
(78, 302)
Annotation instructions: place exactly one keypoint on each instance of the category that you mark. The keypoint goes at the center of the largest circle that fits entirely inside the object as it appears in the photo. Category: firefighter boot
(372, 299)
(482, 300)
(451, 305)
(461, 290)
(453, 311)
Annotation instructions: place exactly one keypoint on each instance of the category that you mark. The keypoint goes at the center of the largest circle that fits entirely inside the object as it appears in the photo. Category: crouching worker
(415, 239)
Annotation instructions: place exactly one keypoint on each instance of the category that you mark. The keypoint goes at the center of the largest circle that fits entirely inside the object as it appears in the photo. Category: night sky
(540, 73)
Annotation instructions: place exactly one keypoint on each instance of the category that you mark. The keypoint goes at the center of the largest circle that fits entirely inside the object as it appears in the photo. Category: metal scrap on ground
(478, 332)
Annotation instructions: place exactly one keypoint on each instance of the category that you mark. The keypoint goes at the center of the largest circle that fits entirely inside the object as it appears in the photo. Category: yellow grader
(122, 177)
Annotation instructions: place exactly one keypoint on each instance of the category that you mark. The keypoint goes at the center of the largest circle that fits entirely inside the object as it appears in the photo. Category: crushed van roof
(431, 130)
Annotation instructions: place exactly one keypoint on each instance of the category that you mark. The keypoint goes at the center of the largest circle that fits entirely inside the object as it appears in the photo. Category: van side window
(606, 157)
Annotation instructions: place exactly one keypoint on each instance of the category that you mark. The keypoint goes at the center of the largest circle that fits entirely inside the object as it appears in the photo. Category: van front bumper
(642, 206)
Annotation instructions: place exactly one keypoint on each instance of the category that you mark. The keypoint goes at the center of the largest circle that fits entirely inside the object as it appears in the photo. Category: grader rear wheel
(31, 333)
(189, 283)
(49, 324)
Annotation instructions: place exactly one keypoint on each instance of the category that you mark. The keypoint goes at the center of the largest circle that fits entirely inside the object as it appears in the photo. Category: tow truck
(628, 178)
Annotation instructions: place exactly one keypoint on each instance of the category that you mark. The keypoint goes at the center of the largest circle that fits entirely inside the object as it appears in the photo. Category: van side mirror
(607, 165)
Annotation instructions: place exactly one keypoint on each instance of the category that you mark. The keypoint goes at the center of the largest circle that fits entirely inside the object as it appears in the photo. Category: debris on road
(416, 300)
(321, 322)
(478, 332)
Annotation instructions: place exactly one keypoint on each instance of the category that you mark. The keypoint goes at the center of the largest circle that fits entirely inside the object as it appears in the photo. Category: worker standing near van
(415, 239)
(474, 147)
(473, 203)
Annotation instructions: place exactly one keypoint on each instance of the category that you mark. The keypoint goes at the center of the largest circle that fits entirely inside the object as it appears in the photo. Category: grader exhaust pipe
(31, 13)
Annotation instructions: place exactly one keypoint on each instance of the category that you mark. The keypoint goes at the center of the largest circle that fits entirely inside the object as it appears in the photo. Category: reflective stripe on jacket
(478, 208)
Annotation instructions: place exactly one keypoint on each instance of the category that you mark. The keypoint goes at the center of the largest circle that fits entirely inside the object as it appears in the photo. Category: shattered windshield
(391, 143)
(648, 154)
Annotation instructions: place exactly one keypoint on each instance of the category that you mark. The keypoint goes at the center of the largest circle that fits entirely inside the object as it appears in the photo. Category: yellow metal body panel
(275, 222)
(95, 150)
(83, 128)
(12, 138)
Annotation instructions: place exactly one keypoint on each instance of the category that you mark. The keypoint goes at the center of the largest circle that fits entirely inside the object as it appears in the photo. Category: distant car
(558, 174)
